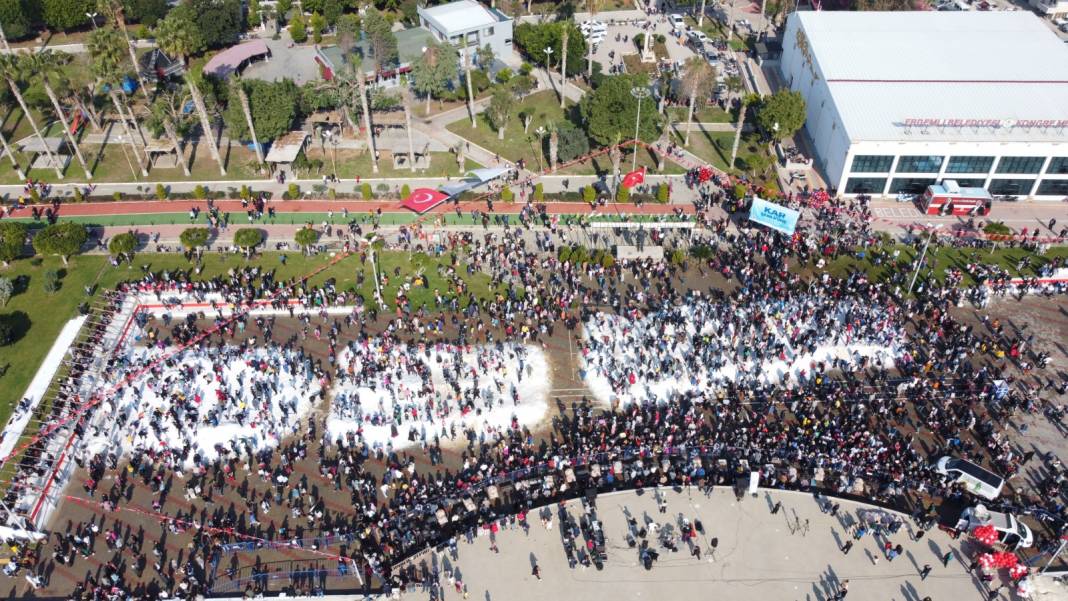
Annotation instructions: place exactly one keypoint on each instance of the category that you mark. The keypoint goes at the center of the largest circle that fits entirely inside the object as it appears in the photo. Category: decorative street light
(638, 92)
(92, 18)
(931, 231)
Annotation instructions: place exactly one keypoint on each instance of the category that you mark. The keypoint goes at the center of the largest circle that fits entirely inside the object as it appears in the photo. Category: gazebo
(36, 146)
(159, 148)
(286, 149)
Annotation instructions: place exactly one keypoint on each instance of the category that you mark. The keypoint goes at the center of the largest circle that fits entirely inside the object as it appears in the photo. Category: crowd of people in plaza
(868, 382)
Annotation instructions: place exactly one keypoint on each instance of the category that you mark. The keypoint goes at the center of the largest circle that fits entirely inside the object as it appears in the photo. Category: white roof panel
(951, 76)
(459, 16)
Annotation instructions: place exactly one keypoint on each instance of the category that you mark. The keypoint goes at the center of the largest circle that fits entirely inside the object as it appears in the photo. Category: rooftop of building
(462, 15)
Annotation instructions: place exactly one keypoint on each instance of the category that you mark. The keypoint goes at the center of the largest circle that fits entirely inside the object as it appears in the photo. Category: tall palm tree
(105, 48)
(242, 96)
(696, 79)
(167, 109)
(406, 96)
(348, 83)
(738, 132)
(46, 65)
(11, 71)
(470, 90)
(591, 6)
(10, 154)
(177, 37)
(361, 89)
(116, 11)
(616, 155)
(554, 144)
(563, 63)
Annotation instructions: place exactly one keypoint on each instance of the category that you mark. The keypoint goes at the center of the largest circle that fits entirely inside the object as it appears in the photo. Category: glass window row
(917, 185)
(957, 164)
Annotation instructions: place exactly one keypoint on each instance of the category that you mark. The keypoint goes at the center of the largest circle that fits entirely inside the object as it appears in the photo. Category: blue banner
(775, 216)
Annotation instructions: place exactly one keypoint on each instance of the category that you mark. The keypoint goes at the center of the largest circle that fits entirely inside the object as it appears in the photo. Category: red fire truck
(948, 198)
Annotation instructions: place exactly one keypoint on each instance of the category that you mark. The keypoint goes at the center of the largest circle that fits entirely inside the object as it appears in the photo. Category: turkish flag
(634, 178)
(422, 200)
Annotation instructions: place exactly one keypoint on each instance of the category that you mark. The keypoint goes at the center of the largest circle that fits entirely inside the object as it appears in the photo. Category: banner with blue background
(775, 216)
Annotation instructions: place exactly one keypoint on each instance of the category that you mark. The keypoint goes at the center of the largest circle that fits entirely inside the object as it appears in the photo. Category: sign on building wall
(777, 217)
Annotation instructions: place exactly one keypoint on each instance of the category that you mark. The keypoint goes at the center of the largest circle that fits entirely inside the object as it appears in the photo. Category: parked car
(698, 37)
(586, 26)
(1012, 533)
(976, 480)
(677, 22)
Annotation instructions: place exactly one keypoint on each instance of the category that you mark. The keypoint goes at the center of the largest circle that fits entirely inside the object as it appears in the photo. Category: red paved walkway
(138, 207)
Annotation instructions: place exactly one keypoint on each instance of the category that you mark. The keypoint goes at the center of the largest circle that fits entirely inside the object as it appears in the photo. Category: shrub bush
(539, 192)
(662, 194)
(739, 190)
(117, 196)
(365, 191)
(564, 254)
(161, 192)
(622, 194)
(589, 193)
(50, 281)
(200, 191)
(405, 191)
(997, 228)
(608, 261)
(292, 192)
(507, 195)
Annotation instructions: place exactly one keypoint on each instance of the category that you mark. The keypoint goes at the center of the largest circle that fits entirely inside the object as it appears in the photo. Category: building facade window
(1020, 164)
(870, 163)
(1014, 187)
(1058, 166)
(1053, 187)
(969, 182)
(969, 164)
(919, 164)
(488, 32)
(910, 185)
(865, 185)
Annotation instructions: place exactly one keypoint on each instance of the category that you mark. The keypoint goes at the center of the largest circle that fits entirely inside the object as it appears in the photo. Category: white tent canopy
(487, 174)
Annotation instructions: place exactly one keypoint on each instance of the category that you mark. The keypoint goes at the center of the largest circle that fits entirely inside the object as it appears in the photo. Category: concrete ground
(794, 554)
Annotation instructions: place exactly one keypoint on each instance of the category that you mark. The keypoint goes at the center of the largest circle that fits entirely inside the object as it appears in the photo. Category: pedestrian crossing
(904, 212)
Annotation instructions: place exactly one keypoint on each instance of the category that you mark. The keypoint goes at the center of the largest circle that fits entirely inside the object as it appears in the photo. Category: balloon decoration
(1001, 559)
(986, 534)
(1018, 571)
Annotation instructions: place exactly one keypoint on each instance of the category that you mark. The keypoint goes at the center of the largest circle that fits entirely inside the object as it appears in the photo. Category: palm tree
(11, 70)
(167, 110)
(591, 6)
(116, 11)
(348, 83)
(470, 90)
(105, 48)
(361, 89)
(696, 77)
(177, 37)
(554, 143)
(46, 66)
(406, 97)
(617, 157)
(11, 155)
(563, 63)
(242, 96)
(738, 132)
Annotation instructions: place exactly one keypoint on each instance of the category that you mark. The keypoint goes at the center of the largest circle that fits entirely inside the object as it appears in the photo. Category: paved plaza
(793, 554)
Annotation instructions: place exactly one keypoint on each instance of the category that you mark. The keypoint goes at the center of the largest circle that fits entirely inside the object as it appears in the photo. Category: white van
(677, 23)
(978, 481)
(1012, 533)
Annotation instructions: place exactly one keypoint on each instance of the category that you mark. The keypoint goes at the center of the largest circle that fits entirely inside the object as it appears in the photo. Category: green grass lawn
(715, 147)
(543, 107)
(351, 163)
(702, 114)
(39, 316)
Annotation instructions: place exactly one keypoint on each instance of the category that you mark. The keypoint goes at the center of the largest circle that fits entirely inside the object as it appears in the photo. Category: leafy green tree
(146, 12)
(63, 239)
(348, 30)
(786, 109)
(434, 69)
(273, 105)
(63, 15)
(7, 290)
(312, 6)
(247, 239)
(220, 22)
(122, 246)
(380, 39)
(533, 38)
(573, 142)
(500, 109)
(298, 30)
(283, 7)
(12, 241)
(7, 331)
(611, 109)
(194, 239)
(317, 24)
(305, 238)
(332, 11)
(17, 17)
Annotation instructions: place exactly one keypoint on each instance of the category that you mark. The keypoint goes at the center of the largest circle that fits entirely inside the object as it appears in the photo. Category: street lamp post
(92, 19)
(638, 92)
(930, 234)
(548, 64)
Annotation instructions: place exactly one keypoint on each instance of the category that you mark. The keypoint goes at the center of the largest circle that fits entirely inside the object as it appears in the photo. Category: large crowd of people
(415, 470)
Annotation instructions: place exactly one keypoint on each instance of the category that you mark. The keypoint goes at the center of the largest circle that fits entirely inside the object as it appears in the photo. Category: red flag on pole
(634, 178)
(422, 200)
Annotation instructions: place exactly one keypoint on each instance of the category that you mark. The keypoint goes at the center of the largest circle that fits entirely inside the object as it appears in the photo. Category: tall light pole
(548, 64)
(92, 19)
(638, 92)
(930, 234)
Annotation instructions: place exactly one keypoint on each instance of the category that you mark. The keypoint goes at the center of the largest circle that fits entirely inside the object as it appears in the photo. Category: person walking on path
(945, 558)
(847, 547)
(919, 534)
(925, 571)
(536, 572)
